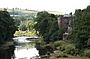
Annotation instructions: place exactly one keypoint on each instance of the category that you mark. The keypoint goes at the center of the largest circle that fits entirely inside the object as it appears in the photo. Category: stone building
(65, 22)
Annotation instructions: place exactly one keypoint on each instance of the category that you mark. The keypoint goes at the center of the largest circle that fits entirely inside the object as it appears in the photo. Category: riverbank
(61, 49)
(68, 57)
(25, 33)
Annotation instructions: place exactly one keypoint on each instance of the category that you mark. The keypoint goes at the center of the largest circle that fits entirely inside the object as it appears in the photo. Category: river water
(25, 49)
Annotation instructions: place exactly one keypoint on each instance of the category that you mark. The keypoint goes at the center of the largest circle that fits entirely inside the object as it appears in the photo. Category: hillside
(29, 14)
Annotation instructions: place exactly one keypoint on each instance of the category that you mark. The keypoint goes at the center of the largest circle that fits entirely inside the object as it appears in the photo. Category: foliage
(88, 43)
(70, 49)
(59, 43)
(30, 25)
(81, 28)
(7, 26)
(17, 21)
(66, 47)
(63, 47)
(44, 49)
(27, 25)
(47, 26)
(22, 27)
(22, 17)
(59, 54)
(87, 53)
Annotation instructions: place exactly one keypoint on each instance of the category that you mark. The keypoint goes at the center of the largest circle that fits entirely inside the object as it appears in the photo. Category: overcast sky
(64, 6)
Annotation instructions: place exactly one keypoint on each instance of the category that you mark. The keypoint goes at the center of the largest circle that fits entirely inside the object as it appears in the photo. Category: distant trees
(22, 27)
(22, 17)
(27, 25)
(47, 26)
(7, 26)
(18, 20)
(30, 25)
(81, 29)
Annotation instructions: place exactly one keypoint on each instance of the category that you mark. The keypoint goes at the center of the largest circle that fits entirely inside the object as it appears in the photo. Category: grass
(25, 33)
(61, 50)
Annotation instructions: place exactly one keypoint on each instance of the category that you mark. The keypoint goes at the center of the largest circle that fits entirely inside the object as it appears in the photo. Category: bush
(88, 42)
(59, 43)
(87, 53)
(22, 27)
(81, 53)
(59, 54)
(70, 49)
(66, 47)
(44, 49)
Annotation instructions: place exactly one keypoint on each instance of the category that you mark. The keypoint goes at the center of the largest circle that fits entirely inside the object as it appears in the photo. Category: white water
(25, 52)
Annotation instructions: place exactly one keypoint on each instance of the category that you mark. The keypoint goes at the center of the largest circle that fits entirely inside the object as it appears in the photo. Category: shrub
(66, 47)
(81, 53)
(70, 49)
(59, 54)
(87, 53)
(48, 48)
(59, 43)
(43, 47)
(88, 42)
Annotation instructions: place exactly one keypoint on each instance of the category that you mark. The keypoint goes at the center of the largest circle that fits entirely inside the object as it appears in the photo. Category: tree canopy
(81, 29)
(7, 26)
(27, 25)
(47, 26)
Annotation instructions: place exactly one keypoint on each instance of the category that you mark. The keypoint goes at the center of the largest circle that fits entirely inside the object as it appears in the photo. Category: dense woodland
(78, 41)
(7, 29)
(7, 26)
(47, 26)
(81, 28)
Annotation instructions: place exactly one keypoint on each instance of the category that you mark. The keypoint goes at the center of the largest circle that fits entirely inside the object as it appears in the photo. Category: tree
(23, 27)
(81, 29)
(30, 25)
(27, 25)
(47, 26)
(7, 26)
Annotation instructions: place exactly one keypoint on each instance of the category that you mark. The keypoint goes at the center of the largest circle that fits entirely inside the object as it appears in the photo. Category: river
(25, 49)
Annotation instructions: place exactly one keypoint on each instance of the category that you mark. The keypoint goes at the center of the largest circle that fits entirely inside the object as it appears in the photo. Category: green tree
(81, 28)
(30, 25)
(17, 22)
(47, 26)
(7, 26)
(22, 26)
(27, 25)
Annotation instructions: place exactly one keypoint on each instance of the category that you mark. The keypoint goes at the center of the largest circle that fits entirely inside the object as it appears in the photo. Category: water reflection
(26, 53)
(25, 50)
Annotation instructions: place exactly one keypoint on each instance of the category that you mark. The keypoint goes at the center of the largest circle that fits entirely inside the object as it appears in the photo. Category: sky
(64, 6)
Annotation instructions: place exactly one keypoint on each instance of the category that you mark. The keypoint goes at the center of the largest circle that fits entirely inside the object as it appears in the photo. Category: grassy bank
(25, 33)
(61, 49)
